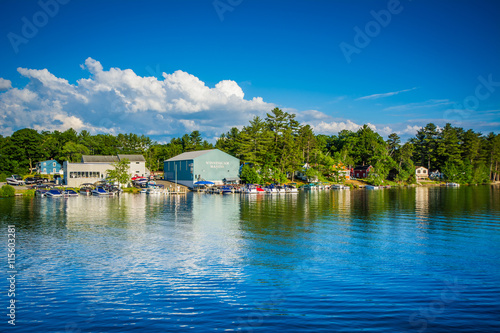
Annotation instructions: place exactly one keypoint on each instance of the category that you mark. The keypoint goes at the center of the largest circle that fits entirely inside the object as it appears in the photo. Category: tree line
(280, 145)
(20, 152)
(274, 147)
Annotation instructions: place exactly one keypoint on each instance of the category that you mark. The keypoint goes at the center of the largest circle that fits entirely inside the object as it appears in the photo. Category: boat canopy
(204, 182)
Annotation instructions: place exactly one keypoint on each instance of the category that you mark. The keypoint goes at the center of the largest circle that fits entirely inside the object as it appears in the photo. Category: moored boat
(53, 193)
(86, 189)
(154, 189)
(250, 189)
(40, 190)
(227, 189)
(138, 180)
(271, 189)
(69, 193)
(371, 187)
(280, 189)
(310, 187)
(291, 189)
(99, 191)
(15, 180)
(113, 190)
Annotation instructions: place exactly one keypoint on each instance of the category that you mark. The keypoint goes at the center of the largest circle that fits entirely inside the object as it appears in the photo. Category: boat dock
(172, 187)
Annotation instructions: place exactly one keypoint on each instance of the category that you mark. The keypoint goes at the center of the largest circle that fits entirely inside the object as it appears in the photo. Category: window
(424, 171)
(44, 169)
(137, 172)
(418, 170)
(54, 164)
(136, 162)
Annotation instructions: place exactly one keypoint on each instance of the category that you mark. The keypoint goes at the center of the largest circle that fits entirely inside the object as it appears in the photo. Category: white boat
(371, 187)
(227, 189)
(340, 187)
(99, 191)
(69, 193)
(137, 180)
(86, 189)
(15, 180)
(280, 189)
(250, 189)
(453, 184)
(271, 189)
(154, 190)
(113, 190)
(41, 190)
(291, 189)
(53, 193)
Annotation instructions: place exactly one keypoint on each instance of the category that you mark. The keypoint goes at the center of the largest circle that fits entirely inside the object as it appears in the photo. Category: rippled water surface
(397, 260)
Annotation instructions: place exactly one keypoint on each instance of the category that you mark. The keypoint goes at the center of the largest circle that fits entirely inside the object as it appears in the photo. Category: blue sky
(164, 68)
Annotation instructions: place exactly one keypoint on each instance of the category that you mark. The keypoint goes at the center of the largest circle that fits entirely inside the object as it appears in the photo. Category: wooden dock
(172, 187)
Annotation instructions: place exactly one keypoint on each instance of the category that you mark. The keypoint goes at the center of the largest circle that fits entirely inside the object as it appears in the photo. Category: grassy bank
(133, 190)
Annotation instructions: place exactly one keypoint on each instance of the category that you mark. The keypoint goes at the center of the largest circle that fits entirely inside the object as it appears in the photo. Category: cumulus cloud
(5, 84)
(410, 130)
(118, 100)
(334, 127)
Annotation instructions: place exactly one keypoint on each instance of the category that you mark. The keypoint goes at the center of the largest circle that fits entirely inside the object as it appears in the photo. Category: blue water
(396, 260)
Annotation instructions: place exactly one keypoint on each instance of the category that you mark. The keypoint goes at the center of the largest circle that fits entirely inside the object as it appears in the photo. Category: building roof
(362, 167)
(418, 167)
(132, 158)
(190, 155)
(99, 159)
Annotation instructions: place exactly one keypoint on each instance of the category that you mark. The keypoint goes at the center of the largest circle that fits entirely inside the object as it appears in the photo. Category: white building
(94, 168)
(421, 173)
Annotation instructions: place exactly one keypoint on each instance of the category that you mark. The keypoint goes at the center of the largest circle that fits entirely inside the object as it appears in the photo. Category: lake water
(395, 260)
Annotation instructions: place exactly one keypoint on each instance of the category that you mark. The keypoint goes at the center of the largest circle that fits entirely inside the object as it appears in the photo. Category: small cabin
(361, 171)
(421, 173)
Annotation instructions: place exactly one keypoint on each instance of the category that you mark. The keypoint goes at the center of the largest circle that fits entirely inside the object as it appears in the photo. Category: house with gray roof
(94, 168)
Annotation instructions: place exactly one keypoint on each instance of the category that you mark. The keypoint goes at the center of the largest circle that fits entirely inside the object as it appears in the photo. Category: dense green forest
(276, 147)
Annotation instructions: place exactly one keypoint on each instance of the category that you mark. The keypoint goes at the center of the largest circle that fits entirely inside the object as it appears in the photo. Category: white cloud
(117, 100)
(376, 96)
(334, 127)
(5, 84)
(313, 115)
(410, 130)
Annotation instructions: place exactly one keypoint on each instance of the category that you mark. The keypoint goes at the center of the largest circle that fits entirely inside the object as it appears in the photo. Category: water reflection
(321, 260)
